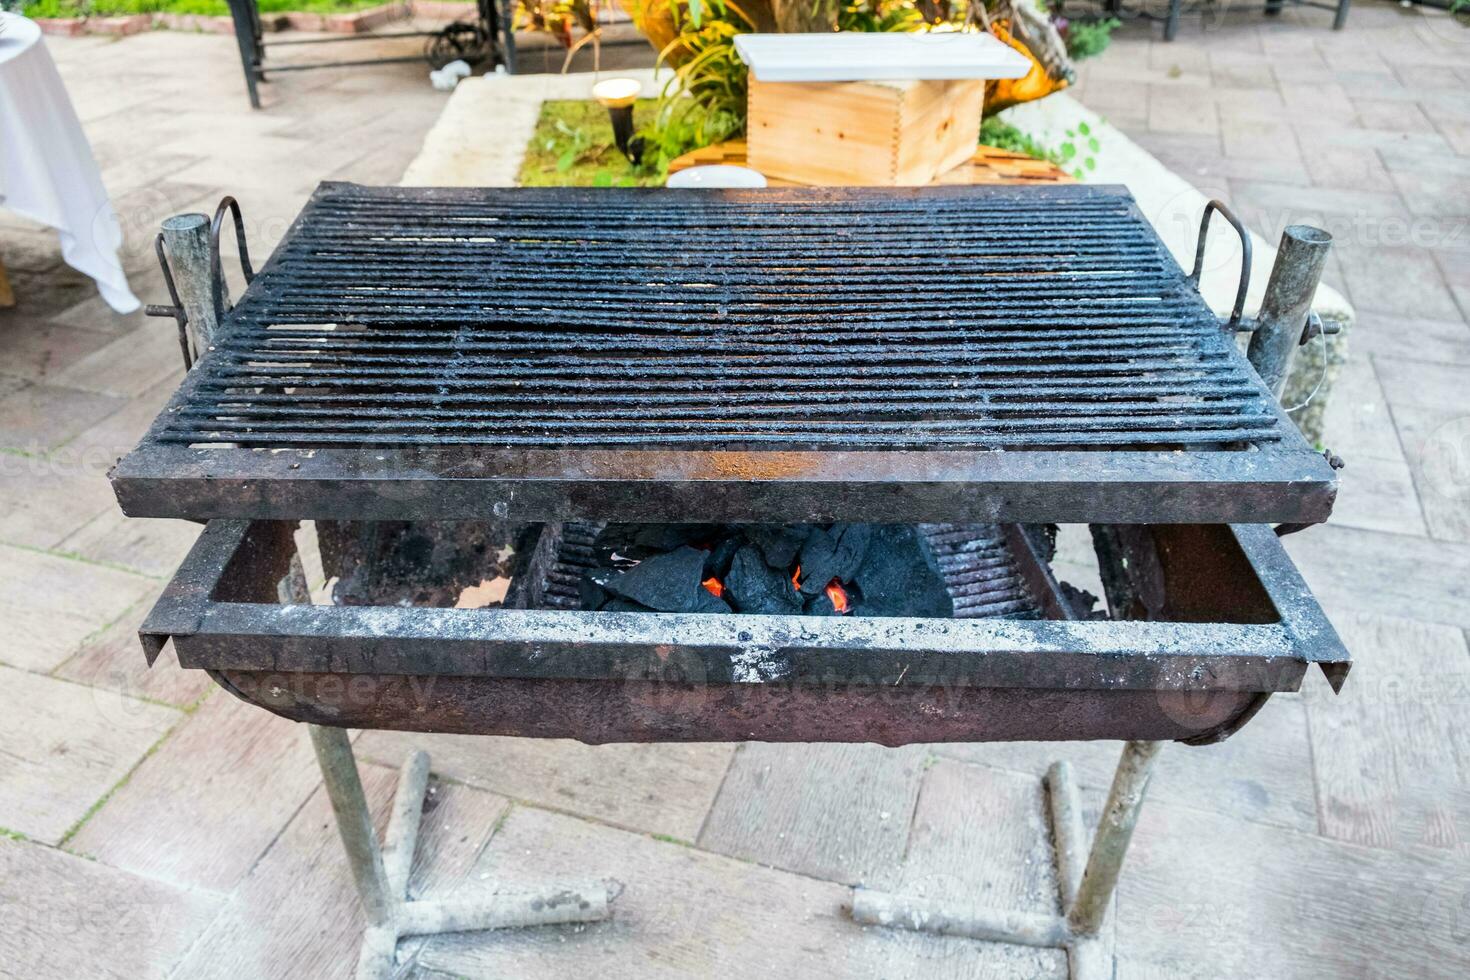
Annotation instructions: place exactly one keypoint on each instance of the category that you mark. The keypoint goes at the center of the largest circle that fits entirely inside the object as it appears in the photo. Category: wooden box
(879, 133)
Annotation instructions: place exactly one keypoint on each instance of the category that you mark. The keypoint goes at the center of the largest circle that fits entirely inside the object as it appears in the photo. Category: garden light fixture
(617, 95)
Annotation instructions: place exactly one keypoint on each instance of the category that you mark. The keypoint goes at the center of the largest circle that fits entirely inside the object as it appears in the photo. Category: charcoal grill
(981, 361)
(959, 353)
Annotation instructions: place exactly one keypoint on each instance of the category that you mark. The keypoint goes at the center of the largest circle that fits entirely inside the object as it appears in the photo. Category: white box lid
(854, 56)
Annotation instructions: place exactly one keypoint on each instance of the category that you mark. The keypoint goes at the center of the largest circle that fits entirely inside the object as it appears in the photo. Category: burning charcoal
(707, 602)
(717, 561)
(832, 554)
(752, 586)
(779, 543)
(833, 600)
(668, 583)
(899, 576)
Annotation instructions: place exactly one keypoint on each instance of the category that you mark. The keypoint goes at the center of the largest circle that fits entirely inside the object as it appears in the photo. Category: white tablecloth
(47, 172)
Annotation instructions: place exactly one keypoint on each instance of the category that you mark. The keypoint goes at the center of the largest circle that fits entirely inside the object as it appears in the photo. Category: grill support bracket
(1086, 892)
(381, 872)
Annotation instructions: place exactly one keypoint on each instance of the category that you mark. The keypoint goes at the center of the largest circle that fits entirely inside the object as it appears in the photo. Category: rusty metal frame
(221, 613)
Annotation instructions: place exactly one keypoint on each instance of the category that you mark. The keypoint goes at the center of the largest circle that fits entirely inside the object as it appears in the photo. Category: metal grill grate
(800, 355)
(850, 320)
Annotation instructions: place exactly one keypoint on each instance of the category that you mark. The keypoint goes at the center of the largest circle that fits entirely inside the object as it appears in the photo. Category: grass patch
(214, 8)
(573, 147)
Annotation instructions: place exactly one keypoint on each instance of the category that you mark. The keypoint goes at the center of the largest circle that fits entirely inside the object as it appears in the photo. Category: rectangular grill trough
(1223, 621)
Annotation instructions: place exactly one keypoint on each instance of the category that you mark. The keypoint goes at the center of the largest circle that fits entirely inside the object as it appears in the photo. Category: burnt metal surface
(578, 674)
(635, 710)
(787, 355)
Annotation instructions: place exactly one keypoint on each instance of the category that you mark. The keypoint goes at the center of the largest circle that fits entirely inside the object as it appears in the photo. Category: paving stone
(1206, 895)
(57, 603)
(1262, 774)
(113, 659)
(94, 451)
(683, 912)
(1392, 758)
(32, 350)
(1385, 574)
(145, 545)
(129, 365)
(1399, 280)
(1174, 111)
(1326, 102)
(45, 501)
(1435, 341)
(297, 914)
(665, 789)
(66, 917)
(232, 775)
(40, 417)
(1348, 167)
(983, 837)
(839, 812)
(1392, 114)
(1437, 444)
(65, 746)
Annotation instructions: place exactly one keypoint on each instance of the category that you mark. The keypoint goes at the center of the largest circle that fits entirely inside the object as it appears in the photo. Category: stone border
(356, 22)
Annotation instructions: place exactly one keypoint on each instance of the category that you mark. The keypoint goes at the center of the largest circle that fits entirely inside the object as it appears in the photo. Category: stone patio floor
(152, 828)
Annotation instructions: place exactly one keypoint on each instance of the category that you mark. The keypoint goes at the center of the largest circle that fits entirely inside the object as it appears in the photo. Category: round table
(47, 172)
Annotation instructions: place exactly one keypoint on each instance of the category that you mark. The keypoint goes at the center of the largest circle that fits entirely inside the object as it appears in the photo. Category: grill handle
(216, 267)
(1245, 257)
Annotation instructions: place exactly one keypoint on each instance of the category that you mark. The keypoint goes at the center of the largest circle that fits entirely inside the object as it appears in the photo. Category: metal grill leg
(1085, 892)
(382, 873)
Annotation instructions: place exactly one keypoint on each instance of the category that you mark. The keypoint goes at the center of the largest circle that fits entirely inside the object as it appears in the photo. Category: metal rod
(875, 908)
(1114, 832)
(504, 911)
(1067, 831)
(186, 239)
(354, 823)
(1288, 300)
(403, 823)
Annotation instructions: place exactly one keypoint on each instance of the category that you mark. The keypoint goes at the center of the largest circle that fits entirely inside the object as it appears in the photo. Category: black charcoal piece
(593, 587)
(639, 541)
(779, 543)
(619, 604)
(717, 560)
(820, 605)
(752, 586)
(667, 582)
(899, 576)
(830, 554)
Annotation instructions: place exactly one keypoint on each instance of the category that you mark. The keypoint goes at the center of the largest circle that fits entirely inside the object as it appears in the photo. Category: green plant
(994, 131)
(879, 16)
(1080, 160)
(704, 101)
(1087, 38)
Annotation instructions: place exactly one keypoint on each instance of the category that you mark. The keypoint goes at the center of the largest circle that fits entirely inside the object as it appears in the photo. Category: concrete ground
(152, 828)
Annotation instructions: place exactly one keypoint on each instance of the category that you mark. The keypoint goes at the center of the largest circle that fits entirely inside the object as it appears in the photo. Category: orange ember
(713, 586)
(796, 579)
(838, 595)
